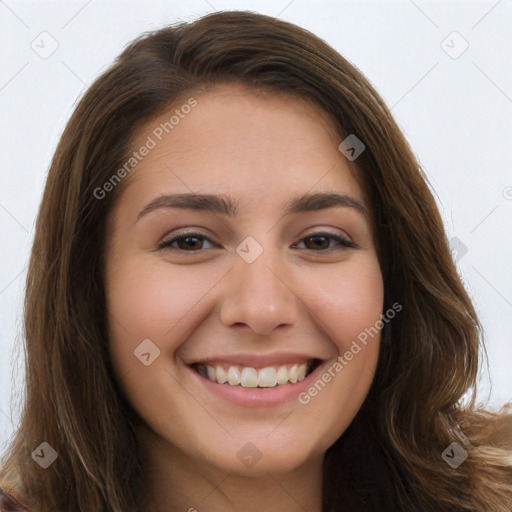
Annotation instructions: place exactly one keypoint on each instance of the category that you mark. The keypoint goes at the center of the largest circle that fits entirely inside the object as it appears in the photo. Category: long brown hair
(390, 456)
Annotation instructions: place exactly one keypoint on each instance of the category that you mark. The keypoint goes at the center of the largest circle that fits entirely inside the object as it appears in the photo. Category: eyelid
(319, 231)
(164, 244)
(344, 242)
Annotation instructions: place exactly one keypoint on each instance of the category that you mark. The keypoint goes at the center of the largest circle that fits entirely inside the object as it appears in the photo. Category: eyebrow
(226, 205)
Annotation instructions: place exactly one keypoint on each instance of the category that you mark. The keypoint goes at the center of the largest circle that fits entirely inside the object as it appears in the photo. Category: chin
(260, 454)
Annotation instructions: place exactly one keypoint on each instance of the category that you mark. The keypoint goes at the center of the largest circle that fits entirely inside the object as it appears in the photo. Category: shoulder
(8, 503)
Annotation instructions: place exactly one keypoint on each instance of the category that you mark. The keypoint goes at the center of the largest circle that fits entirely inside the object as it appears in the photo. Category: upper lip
(258, 360)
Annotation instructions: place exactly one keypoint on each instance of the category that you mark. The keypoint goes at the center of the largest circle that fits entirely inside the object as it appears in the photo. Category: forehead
(250, 145)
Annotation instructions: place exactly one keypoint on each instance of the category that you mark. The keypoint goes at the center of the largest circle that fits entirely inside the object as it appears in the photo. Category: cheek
(348, 299)
(348, 305)
(149, 291)
(147, 301)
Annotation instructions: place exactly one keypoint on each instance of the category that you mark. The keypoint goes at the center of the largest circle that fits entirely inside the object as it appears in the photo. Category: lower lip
(257, 397)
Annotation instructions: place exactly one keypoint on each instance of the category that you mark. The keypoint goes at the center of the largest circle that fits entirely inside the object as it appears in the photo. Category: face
(265, 282)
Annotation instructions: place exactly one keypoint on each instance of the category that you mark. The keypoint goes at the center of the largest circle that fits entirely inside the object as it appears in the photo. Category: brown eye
(320, 242)
(190, 242)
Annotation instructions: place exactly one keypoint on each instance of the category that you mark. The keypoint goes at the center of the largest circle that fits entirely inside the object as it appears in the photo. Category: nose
(259, 296)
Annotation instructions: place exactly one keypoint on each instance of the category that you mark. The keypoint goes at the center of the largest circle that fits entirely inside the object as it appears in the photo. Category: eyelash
(166, 244)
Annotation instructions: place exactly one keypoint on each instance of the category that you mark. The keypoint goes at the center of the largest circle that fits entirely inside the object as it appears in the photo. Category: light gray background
(455, 112)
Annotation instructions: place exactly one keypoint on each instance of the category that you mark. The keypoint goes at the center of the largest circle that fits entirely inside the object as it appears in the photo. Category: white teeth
(301, 372)
(292, 374)
(220, 375)
(282, 375)
(248, 377)
(267, 378)
(234, 376)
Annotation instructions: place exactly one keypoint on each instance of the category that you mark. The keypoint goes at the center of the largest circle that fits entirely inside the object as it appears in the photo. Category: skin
(263, 151)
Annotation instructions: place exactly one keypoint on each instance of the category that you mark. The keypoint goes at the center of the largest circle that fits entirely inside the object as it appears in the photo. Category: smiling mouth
(249, 377)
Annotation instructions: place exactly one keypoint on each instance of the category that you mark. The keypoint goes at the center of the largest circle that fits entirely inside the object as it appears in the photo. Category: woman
(241, 297)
